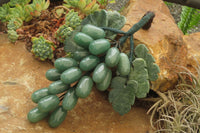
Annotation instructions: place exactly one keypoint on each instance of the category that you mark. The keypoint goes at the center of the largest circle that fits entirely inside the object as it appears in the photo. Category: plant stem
(148, 17)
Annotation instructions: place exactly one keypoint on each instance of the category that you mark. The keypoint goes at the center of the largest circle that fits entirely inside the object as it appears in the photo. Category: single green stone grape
(69, 100)
(83, 40)
(112, 57)
(123, 66)
(48, 103)
(93, 31)
(37, 95)
(57, 117)
(52, 74)
(35, 115)
(71, 75)
(57, 87)
(99, 46)
(106, 82)
(99, 73)
(88, 63)
(62, 64)
(84, 87)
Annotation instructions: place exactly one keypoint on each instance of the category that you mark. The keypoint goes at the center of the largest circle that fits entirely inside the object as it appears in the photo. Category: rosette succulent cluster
(42, 48)
(84, 7)
(72, 20)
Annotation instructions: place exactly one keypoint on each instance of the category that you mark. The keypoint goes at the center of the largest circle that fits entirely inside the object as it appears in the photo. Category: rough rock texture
(164, 39)
(21, 74)
(193, 44)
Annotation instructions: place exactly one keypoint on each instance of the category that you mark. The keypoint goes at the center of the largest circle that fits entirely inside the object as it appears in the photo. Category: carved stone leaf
(122, 97)
(141, 51)
(140, 74)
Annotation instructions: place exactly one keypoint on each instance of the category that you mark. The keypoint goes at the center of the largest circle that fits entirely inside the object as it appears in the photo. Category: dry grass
(178, 110)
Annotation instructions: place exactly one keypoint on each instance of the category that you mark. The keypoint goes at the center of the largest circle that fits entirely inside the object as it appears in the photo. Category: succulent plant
(4, 11)
(12, 35)
(85, 6)
(14, 24)
(42, 48)
(38, 6)
(63, 32)
(72, 19)
(12, 3)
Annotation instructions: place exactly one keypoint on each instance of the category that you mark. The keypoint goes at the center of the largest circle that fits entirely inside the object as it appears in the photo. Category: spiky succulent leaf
(72, 19)
(122, 97)
(82, 4)
(71, 3)
(140, 74)
(12, 35)
(42, 48)
(4, 11)
(141, 51)
(63, 32)
(13, 3)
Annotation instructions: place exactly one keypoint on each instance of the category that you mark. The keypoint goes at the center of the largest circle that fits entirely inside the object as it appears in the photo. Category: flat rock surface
(21, 75)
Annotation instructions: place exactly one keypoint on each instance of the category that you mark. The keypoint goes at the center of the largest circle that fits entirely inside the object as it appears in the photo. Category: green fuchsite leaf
(69, 100)
(48, 103)
(35, 115)
(71, 75)
(98, 18)
(112, 57)
(52, 74)
(140, 74)
(57, 87)
(83, 40)
(106, 82)
(115, 20)
(57, 117)
(99, 73)
(37, 95)
(88, 63)
(93, 31)
(99, 46)
(141, 51)
(84, 87)
(122, 97)
(123, 66)
(62, 64)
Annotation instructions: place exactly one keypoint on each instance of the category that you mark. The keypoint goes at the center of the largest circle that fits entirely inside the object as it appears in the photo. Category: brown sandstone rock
(164, 39)
(21, 75)
(193, 44)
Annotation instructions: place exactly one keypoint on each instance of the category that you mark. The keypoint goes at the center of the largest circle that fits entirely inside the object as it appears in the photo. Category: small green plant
(42, 49)
(72, 20)
(85, 7)
(63, 33)
(190, 17)
(16, 12)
